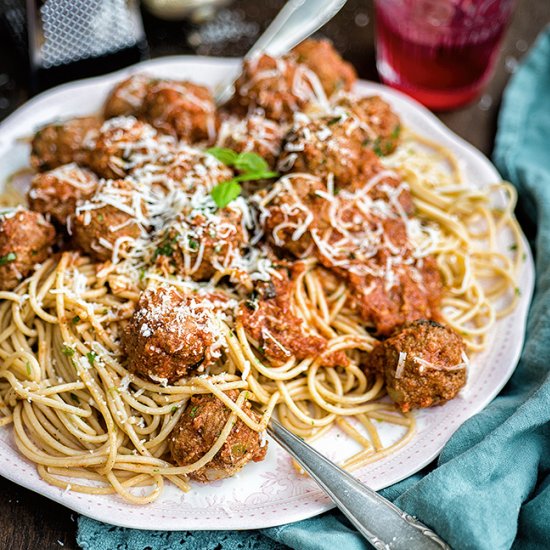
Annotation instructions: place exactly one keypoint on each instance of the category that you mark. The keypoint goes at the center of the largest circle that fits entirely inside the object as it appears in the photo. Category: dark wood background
(29, 521)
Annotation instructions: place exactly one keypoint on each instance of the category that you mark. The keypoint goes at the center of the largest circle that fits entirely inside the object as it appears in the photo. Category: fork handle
(295, 22)
(383, 524)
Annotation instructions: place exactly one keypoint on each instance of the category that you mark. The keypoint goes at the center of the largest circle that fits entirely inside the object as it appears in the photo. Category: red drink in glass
(441, 52)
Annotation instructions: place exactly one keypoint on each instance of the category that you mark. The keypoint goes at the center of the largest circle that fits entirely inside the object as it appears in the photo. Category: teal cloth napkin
(490, 488)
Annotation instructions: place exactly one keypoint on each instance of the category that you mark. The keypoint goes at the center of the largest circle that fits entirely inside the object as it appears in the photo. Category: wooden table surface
(29, 521)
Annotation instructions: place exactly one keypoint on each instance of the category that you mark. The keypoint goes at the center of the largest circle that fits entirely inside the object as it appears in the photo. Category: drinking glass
(441, 52)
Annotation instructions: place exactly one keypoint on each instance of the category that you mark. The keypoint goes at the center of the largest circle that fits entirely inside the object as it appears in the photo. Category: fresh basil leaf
(225, 192)
(251, 162)
(253, 176)
(224, 155)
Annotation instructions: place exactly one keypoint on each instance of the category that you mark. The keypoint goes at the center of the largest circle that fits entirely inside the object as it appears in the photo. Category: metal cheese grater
(75, 38)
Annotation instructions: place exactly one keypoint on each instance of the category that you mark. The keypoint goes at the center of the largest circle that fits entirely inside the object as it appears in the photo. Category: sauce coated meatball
(424, 364)
(198, 429)
(254, 134)
(278, 87)
(63, 143)
(124, 144)
(201, 243)
(25, 240)
(172, 335)
(268, 318)
(182, 109)
(127, 97)
(381, 124)
(188, 169)
(320, 56)
(292, 208)
(329, 145)
(58, 191)
(110, 222)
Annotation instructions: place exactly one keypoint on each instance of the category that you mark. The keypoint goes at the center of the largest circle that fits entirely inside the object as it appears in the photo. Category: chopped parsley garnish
(517, 291)
(396, 132)
(166, 248)
(513, 247)
(239, 449)
(67, 350)
(194, 411)
(334, 120)
(75, 320)
(8, 258)
(174, 408)
(251, 166)
(91, 356)
(376, 147)
(193, 243)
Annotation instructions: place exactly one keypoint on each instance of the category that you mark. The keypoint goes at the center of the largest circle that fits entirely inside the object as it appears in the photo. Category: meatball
(111, 221)
(291, 209)
(254, 134)
(182, 109)
(25, 240)
(395, 294)
(58, 191)
(127, 97)
(269, 319)
(328, 145)
(198, 429)
(187, 169)
(172, 335)
(63, 143)
(200, 243)
(381, 125)
(424, 364)
(278, 87)
(320, 56)
(124, 144)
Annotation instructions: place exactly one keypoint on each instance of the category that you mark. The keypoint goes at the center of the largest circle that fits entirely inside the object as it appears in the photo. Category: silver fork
(295, 22)
(383, 524)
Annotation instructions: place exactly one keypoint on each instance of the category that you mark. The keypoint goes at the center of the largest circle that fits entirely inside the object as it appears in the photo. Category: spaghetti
(93, 426)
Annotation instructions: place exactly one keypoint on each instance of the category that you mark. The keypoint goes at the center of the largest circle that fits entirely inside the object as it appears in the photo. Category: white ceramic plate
(268, 493)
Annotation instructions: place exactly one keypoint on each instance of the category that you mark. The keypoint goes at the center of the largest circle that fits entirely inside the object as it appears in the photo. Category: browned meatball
(172, 335)
(292, 208)
(182, 109)
(320, 56)
(269, 319)
(199, 428)
(124, 144)
(254, 134)
(200, 243)
(185, 169)
(381, 125)
(126, 98)
(424, 364)
(63, 143)
(278, 87)
(58, 191)
(25, 240)
(109, 223)
(329, 145)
